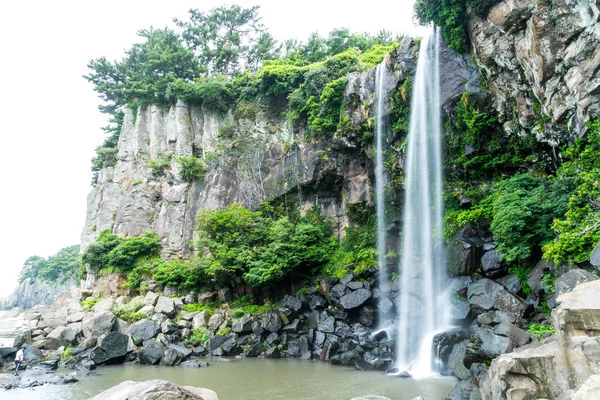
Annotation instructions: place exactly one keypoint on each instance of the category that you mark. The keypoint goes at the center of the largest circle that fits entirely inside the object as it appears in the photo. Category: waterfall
(422, 265)
(380, 181)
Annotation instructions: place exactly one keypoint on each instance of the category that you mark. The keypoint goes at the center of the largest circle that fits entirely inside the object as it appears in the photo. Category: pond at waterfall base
(252, 379)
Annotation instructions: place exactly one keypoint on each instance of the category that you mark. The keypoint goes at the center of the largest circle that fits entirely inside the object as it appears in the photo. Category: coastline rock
(154, 390)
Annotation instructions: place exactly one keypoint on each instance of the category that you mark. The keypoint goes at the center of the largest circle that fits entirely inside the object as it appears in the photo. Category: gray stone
(456, 361)
(465, 390)
(165, 305)
(200, 320)
(595, 257)
(99, 324)
(61, 336)
(151, 299)
(144, 329)
(518, 336)
(242, 325)
(491, 265)
(111, 348)
(215, 321)
(485, 295)
(154, 390)
(106, 304)
(224, 295)
(171, 357)
(152, 352)
(271, 321)
(355, 299)
(169, 327)
(292, 303)
(567, 282)
(327, 325)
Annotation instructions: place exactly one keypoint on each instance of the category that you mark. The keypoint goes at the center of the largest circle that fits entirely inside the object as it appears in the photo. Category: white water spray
(380, 181)
(422, 266)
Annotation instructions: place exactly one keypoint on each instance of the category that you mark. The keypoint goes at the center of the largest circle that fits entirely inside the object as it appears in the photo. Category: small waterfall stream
(422, 266)
(380, 181)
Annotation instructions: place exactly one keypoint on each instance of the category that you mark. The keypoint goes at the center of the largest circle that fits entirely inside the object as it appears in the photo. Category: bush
(129, 313)
(90, 302)
(539, 330)
(159, 165)
(192, 168)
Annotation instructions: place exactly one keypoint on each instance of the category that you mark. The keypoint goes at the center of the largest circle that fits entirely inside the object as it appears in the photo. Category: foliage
(200, 335)
(159, 164)
(578, 231)
(224, 331)
(228, 39)
(180, 273)
(521, 272)
(192, 168)
(107, 151)
(120, 254)
(62, 266)
(358, 250)
(129, 313)
(214, 92)
(244, 305)
(538, 330)
(68, 353)
(245, 245)
(90, 302)
(210, 306)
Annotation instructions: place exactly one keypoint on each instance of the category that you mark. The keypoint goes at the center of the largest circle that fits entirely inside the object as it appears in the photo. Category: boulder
(578, 313)
(150, 299)
(171, 357)
(464, 253)
(75, 317)
(99, 324)
(589, 390)
(456, 361)
(154, 390)
(373, 397)
(485, 345)
(518, 336)
(567, 282)
(106, 304)
(152, 352)
(595, 257)
(166, 306)
(224, 295)
(143, 329)
(111, 348)
(292, 303)
(271, 321)
(242, 325)
(168, 327)
(465, 390)
(485, 295)
(355, 299)
(492, 266)
(367, 315)
(215, 321)
(200, 320)
(61, 336)
(327, 325)
(53, 319)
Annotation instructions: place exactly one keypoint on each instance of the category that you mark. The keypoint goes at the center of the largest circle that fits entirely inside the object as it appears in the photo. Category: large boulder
(355, 299)
(568, 281)
(111, 348)
(485, 345)
(53, 319)
(271, 321)
(143, 329)
(14, 331)
(492, 266)
(200, 320)
(155, 390)
(465, 251)
(485, 295)
(152, 352)
(166, 306)
(578, 313)
(61, 336)
(99, 324)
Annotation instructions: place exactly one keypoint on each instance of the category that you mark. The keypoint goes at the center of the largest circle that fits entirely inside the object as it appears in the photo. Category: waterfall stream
(422, 266)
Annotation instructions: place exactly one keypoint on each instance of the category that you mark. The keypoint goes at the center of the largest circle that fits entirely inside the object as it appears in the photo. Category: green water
(252, 379)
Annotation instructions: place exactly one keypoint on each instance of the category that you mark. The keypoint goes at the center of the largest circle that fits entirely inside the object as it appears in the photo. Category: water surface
(252, 379)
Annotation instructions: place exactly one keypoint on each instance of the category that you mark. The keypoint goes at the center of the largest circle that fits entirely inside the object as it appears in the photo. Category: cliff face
(249, 159)
(541, 57)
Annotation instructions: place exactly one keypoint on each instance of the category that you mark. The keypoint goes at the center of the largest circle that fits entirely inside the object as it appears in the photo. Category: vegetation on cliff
(225, 60)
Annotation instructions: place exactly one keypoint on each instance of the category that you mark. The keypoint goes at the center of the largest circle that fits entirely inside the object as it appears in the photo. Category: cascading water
(422, 265)
(380, 181)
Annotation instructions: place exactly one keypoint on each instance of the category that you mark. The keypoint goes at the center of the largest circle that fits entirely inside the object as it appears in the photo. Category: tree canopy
(62, 266)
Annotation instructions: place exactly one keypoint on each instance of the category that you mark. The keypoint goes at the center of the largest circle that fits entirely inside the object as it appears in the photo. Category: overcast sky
(49, 114)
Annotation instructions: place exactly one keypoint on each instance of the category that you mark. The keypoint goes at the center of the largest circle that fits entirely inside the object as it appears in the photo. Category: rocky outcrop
(29, 294)
(565, 367)
(154, 390)
(541, 57)
(330, 173)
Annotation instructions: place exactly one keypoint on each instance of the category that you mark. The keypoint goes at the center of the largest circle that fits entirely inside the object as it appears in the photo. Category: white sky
(49, 120)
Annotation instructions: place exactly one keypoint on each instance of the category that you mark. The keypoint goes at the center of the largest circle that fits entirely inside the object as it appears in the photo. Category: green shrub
(238, 313)
(129, 313)
(192, 168)
(201, 335)
(244, 305)
(90, 302)
(539, 330)
(210, 306)
(159, 165)
(224, 331)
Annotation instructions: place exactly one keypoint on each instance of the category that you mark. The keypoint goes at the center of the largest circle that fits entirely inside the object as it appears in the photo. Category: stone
(242, 325)
(456, 361)
(385, 305)
(150, 299)
(171, 357)
(485, 295)
(106, 304)
(464, 253)
(154, 390)
(355, 299)
(510, 282)
(568, 281)
(373, 397)
(99, 324)
(595, 257)
(317, 302)
(518, 336)
(589, 390)
(485, 345)
(224, 295)
(193, 364)
(271, 322)
(465, 390)
(53, 319)
(292, 303)
(215, 321)
(151, 353)
(169, 327)
(367, 315)
(143, 329)
(75, 317)
(200, 320)
(578, 313)
(492, 266)
(61, 336)
(165, 305)
(111, 348)
(327, 325)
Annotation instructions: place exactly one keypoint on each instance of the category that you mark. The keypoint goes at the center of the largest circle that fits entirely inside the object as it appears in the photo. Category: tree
(228, 39)
(63, 266)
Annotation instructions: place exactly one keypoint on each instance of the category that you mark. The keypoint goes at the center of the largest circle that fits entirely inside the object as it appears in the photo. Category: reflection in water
(253, 379)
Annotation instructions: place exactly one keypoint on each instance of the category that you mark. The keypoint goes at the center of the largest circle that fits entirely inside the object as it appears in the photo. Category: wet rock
(152, 352)
(492, 266)
(193, 364)
(443, 343)
(486, 345)
(171, 357)
(367, 315)
(465, 390)
(485, 295)
(327, 325)
(111, 348)
(355, 299)
(456, 361)
(464, 252)
(385, 305)
(271, 321)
